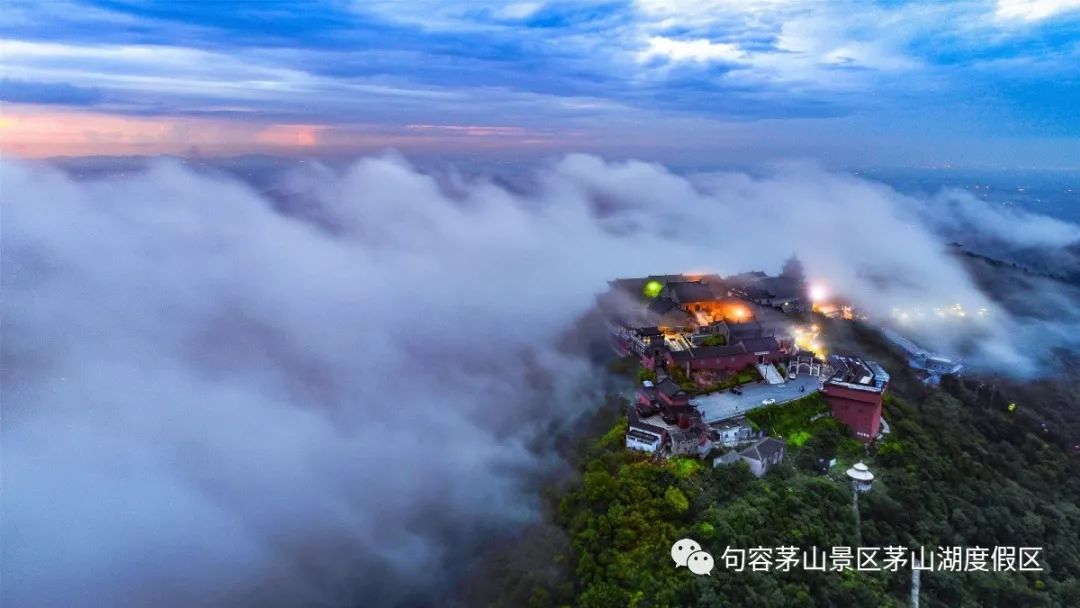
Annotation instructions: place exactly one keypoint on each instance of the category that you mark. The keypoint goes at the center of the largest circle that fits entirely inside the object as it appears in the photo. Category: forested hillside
(970, 464)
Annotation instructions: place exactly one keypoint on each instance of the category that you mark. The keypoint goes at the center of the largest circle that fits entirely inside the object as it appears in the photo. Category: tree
(714, 340)
(793, 269)
(677, 500)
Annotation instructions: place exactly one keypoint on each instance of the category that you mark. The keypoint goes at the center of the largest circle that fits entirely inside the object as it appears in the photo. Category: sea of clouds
(215, 397)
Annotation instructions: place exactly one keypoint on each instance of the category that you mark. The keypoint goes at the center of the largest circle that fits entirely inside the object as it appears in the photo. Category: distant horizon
(494, 157)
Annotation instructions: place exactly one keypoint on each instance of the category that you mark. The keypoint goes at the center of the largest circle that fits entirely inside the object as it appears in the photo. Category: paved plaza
(724, 405)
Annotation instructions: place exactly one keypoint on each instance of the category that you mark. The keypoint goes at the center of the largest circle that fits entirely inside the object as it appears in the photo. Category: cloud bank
(213, 398)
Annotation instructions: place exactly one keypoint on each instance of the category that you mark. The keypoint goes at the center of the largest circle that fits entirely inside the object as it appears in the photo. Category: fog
(215, 398)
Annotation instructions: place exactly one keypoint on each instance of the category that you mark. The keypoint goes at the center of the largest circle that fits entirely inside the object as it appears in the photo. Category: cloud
(519, 10)
(228, 400)
(956, 211)
(689, 50)
(22, 91)
(337, 395)
(1034, 10)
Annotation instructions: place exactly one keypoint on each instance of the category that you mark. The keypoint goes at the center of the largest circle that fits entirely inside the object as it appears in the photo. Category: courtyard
(724, 405)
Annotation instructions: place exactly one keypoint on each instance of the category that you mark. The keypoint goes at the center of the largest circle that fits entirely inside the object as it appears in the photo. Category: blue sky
(987, 84)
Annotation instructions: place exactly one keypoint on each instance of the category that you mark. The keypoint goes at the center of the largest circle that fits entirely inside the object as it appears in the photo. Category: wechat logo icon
(687, 552)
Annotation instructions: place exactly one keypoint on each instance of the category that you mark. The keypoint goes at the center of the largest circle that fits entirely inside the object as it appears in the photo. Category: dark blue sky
(728, 81)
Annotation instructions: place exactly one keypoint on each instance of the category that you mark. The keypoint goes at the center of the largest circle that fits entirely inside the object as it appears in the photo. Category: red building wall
(680, 400)
(859, 410)
(730, 363)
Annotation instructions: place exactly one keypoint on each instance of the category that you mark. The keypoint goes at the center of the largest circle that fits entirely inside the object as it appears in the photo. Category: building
(671, 302)
(643, 436)
(784, 293)
(648, 344)
(861, 477)
(737, 332)
(634, 288)
(693, 323)
(730, 357)
(662, 394)
(693, 293)
(665, 312)
(663, 421)
(643, 441)
(670, 393)
(854, 390)
(729, 433)
(764, 455)
(933, 365)
(693, 441)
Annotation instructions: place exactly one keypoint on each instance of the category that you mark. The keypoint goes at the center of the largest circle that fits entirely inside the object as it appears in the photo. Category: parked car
(791, 375)
(769, 401)
(736, 391)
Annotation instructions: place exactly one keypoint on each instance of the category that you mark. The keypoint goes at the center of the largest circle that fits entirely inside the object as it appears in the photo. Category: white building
(730, 433)
(643, 441)
(644, 436)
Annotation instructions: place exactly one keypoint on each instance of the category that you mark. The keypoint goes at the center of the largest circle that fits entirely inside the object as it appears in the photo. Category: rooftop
(691, 291)
(756, 345)
(709, 352)
(648, 437)
(855, 372)
(763, 450)
(662, 305)
(634, 286)
(652, 424)
(860, 472)
(670, 388)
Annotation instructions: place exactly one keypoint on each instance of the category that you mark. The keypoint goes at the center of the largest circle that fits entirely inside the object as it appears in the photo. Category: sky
(694, 82)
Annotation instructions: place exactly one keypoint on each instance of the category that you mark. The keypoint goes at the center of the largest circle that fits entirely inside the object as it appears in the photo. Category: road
(721, 406)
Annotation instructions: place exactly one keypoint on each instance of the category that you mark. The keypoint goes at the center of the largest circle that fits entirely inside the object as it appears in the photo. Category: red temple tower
(854, 392)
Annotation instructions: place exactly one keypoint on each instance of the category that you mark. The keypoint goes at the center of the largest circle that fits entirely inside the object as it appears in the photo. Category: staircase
(769, 372)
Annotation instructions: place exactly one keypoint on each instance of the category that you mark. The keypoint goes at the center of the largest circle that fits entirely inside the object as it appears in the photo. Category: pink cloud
(38, 131)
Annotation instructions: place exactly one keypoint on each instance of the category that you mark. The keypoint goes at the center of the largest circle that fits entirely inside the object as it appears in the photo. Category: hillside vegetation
(960, 468)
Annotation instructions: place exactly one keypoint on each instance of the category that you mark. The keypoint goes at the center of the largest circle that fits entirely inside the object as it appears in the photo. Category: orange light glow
(728, 308)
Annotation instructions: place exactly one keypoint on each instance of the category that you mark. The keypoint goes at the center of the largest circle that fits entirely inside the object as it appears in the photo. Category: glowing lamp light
(652, 289)
(817, 293)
